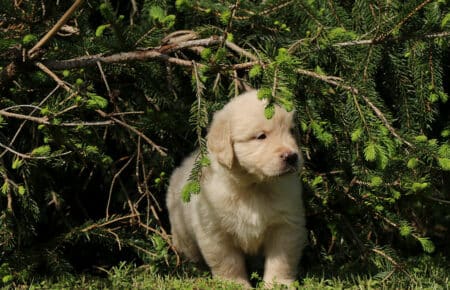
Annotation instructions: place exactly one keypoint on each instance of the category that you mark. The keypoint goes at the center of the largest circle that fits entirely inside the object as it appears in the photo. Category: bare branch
(55, 28)
(29, 156)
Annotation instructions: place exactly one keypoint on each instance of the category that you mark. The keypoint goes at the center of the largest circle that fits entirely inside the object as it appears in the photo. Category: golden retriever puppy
(251, 197)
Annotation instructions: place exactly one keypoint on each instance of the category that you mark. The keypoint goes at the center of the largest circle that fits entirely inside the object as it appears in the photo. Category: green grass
(417, 273)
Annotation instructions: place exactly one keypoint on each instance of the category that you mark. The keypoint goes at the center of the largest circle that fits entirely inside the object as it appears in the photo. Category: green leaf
(419, 186)
(370, 153)
(255, 71)
(264, 93)
(445, 20)
(206, 53)
(96, 102)
(412, 163)
(317, 180)
(376, 181)
(100, 29)
(444, 163)
(204, 161)
(17, 163)
(341, 33)
(356, 135)
(405, 230)
(28, 39)
(192, 187)
(21, 190)
(269, 111)
(421, 138)
(445, 133)
(41, 151)
(5, 187)
(7, 279)
(225, 17)
(157, 13)
(427, 245)
(444, 151)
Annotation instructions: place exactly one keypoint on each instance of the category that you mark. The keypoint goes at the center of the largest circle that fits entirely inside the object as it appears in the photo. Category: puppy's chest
(248, 221)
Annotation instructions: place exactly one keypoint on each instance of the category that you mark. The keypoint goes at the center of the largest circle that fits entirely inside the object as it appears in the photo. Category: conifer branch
(338, 82)
(402, 38)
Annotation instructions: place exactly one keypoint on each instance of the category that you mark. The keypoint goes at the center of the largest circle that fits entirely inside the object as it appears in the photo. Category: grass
(417, 273)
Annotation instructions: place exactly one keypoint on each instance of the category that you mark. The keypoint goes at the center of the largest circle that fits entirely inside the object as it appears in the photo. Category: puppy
(251, 197)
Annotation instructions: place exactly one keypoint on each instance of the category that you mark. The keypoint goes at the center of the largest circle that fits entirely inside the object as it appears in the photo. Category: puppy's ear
(219, 139)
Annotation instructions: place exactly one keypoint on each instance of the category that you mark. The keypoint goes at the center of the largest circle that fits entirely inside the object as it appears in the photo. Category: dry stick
(336, 81)
(376, 41)
(91, 227)
(112, 185)
(40, 120)
(55, 28)
(120, 57)
(240, 50)
(160, 53)
(28, 156)
(46, 121)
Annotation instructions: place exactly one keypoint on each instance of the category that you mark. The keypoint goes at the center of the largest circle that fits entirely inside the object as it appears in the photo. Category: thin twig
(29, 156)
(91, 227)
(55, 28)
(111, 187)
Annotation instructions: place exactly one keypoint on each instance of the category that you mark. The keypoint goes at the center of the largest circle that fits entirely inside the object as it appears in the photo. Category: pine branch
(338, 82)
(397, 39)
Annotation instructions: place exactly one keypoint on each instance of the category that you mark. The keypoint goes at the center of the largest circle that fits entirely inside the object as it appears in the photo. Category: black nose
(291, 158)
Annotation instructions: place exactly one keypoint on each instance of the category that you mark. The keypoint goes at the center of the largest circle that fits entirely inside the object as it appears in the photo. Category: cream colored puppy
(251, 197)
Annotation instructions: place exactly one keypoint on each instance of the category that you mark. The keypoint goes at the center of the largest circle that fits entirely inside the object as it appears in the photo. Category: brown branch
(160, 53)
(115, 58)
(40, 120)
(377, 40)
(28, 156)
(111, 187)
(55, 28)
(91, 227)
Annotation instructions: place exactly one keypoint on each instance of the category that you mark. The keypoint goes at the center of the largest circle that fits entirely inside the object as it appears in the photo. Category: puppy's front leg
(283, 248)
(225, 260)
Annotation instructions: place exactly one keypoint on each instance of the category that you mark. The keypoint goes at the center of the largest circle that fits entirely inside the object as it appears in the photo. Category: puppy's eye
(261, 136)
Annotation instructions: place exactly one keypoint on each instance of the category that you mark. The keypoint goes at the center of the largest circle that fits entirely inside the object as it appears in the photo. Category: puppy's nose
(291, 158)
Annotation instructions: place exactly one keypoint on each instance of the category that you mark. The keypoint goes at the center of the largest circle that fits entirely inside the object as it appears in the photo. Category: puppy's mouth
(288, 170)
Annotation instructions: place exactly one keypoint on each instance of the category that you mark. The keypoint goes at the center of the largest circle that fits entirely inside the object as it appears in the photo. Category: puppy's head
(241, 137)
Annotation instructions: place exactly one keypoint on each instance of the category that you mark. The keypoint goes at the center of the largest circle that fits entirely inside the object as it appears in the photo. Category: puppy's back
(180, 214)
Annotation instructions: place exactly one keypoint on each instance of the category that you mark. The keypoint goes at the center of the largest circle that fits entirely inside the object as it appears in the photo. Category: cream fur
(250, 201)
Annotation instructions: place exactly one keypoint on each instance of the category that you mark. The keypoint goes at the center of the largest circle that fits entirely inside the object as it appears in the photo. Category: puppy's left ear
(219, 139)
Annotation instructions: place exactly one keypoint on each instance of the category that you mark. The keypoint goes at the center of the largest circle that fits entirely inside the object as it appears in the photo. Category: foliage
(94, 118)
